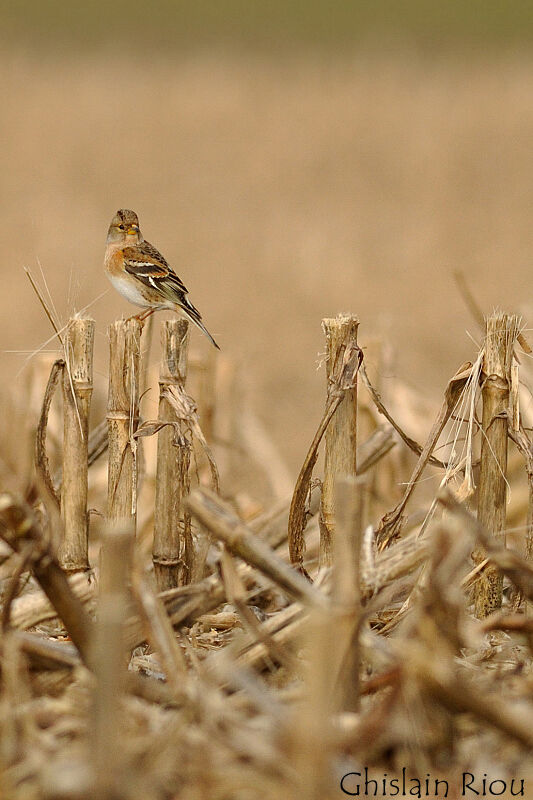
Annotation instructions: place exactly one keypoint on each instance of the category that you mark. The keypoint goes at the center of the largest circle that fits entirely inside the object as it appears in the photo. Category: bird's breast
(128, 288)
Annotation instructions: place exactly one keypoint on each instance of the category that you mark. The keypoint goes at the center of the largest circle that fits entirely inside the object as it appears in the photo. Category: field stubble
(245, 671)
(281, 192)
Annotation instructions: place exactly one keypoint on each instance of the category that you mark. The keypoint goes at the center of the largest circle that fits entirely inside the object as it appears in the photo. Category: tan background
(283, 186)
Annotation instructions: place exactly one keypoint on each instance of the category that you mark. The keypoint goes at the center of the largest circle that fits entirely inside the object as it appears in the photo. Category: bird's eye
(121, 227)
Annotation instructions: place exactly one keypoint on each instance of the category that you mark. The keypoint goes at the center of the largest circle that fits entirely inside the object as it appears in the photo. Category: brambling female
(142, 275)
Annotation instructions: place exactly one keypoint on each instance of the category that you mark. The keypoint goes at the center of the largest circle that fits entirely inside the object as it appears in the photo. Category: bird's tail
(200, 324)
(192, 314)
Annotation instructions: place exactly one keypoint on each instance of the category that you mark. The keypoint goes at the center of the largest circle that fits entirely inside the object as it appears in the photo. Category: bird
(142, 275)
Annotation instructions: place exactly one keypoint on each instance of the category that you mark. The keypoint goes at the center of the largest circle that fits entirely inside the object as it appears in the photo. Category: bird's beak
(132, 230)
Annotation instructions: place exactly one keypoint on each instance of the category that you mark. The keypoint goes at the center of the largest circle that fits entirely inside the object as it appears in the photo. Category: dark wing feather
(151, 267)
(147, 264)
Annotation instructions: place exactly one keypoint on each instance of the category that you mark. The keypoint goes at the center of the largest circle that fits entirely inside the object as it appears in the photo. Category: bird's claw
(142, 317)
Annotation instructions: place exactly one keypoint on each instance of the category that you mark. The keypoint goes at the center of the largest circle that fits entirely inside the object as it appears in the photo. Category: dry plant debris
(271, 661)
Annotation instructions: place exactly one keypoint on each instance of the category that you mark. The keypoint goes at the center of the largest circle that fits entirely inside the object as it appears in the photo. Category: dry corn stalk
(342, 380)
(341, 434)
(501, 332)
(108, 658)
(123, 418)
(224, 524)
(350, 513)
(77, 390)
(172, 524)
(20, 528)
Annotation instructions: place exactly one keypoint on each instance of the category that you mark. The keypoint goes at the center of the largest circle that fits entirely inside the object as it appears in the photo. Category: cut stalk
(501, 332)
(172, 550)
(77, 391)
(351, 494)
(123, 418)
(309, 735)
(341, 434)
(109, 660)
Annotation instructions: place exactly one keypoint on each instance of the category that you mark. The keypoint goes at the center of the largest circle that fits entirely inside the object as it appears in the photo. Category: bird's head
(124, 228)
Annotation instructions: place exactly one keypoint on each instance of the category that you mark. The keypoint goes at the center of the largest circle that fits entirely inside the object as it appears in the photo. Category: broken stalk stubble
(172, 549)
(501, 333)
(77, 391)
(123, 418)
(341, 434)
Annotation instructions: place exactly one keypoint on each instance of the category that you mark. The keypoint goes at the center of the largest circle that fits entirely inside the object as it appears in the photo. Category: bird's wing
(147, 264)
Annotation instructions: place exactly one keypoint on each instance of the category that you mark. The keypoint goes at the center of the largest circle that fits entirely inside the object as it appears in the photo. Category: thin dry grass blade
(390, 525)
(41, 459)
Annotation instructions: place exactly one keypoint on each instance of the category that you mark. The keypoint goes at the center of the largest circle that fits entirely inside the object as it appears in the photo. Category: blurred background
(291, 161)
